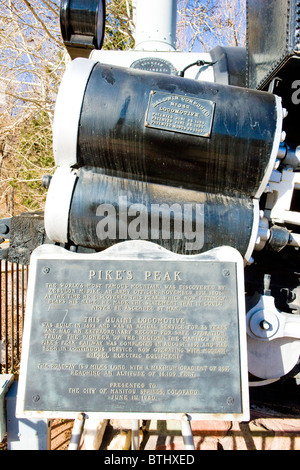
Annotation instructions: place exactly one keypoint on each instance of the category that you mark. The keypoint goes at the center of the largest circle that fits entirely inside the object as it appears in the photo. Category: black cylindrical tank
(106, 210)
(171, 130)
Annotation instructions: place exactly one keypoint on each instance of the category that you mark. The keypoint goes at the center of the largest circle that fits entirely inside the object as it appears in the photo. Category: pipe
(156, 22)
(77, 432)
(187, 433)
(135, 438)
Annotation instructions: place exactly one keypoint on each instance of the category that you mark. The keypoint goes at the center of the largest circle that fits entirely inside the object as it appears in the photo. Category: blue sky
(217, 22)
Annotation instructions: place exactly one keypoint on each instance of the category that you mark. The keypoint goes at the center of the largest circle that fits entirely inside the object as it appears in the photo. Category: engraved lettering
(179, 113)
(141, 333)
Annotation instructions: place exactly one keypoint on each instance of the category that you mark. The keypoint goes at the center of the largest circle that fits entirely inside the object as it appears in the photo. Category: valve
(265, 322)
(273, 341)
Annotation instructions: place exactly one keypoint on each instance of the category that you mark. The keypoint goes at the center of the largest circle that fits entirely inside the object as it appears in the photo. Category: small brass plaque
(180, 113)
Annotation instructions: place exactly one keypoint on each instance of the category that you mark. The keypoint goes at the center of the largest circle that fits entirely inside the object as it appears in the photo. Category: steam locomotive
(153, 126)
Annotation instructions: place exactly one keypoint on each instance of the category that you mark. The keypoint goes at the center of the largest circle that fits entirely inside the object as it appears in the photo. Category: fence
(13, 287)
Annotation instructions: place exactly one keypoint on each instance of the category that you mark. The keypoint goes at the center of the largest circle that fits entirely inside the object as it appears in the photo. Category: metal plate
(180, 113)
(138, 336)
(273, 38)
(154, 64)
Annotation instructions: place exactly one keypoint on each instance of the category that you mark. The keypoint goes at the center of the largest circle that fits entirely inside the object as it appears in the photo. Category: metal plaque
(154, 64)
(180, 113)
(145, 334)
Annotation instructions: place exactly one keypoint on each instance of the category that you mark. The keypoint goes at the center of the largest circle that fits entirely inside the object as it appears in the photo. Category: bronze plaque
(133, 336)
(180, 113)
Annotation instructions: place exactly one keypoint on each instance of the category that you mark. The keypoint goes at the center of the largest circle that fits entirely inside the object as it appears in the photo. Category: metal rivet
(265, 325)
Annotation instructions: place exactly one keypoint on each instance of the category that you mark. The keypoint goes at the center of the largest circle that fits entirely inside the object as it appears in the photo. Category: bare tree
(231, 16)
(119, 31)
(194, 22)
(203, 24)
(32, 61)
(31, 64)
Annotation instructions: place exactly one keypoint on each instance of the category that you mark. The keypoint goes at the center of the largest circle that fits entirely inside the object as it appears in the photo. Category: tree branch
(31, 9)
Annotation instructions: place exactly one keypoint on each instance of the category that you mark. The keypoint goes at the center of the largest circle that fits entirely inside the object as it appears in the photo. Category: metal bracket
(265, 322)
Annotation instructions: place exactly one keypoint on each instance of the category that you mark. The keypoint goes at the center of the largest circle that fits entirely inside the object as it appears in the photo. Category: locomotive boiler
(157, 128)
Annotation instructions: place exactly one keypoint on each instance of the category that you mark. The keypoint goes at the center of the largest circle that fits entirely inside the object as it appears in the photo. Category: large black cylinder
(168, 130)
(106, 210)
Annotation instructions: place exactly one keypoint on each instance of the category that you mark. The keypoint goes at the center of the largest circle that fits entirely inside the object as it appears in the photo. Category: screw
(36, 398)
(4, 229)
(46, 270)
(283, 136)
(230, 401)
(46, 181)
(226, 273)
(265, 325)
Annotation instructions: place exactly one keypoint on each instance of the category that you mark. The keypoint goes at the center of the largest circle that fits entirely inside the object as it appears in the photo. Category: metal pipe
(156, 22)
(292, 157)
(135, 436)
(187, 433)
(289, 156)
(77, 432)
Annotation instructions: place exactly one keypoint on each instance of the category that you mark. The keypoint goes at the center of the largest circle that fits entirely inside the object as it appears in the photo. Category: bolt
(4, 229)
(283, 136)
(46, 181)
(265, 325)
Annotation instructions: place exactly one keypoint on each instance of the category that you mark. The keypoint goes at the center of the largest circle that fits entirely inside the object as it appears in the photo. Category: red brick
(220, 427)
(280, 425)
